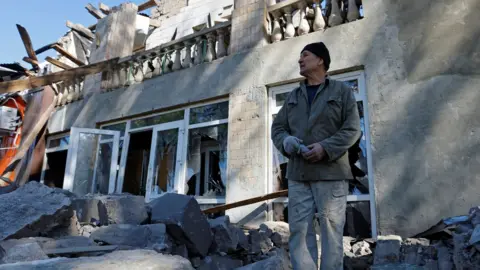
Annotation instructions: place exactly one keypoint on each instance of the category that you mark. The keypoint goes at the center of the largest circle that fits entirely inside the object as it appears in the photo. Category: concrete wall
(422, 66)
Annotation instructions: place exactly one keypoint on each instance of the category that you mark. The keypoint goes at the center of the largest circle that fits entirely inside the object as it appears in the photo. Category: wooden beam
(61, 51)
(45, 48)
(148, 4)
(94, 11)
(253, 200)
(73, 250)
(57, 63)
(27, 42)
(92, 27)
(70, 74)
(104, 8)
(82, 30)
(31, 61)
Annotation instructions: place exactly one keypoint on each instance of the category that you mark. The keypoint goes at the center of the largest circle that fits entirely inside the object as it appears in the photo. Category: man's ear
(320, 61)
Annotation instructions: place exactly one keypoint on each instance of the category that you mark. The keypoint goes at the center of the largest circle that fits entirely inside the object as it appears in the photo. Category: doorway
(55, 168)
(138, 157)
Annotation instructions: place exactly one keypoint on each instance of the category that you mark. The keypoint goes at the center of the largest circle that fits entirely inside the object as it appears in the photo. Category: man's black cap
(320, 50)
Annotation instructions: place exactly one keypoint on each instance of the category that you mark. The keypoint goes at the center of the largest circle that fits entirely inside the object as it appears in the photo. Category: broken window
(157, 119)
(165, 161)
(209, 113)
(207, 161)
(59, 142)
(118, 127)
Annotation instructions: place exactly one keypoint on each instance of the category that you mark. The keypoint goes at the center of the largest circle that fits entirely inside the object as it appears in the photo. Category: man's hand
(291, 144)
(315, 154)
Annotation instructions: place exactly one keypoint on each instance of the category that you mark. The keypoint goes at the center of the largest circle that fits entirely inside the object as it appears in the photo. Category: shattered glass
(209, 113)
(116, 127)
(157, 119)
(165, 161)
(207, 161)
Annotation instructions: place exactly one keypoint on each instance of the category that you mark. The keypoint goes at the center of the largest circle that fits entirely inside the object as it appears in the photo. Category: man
(316, 126)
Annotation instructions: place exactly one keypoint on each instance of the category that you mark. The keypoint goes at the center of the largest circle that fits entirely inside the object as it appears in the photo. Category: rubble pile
(45, 228)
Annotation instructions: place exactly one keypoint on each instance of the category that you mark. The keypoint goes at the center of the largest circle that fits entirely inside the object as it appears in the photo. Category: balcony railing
(203, 46)
(69, 91)
(299, 17)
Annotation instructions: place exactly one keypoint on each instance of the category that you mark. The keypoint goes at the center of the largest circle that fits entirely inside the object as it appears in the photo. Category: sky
(45, 22)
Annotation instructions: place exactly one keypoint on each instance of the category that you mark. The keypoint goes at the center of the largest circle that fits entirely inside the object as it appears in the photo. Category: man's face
(309, 63)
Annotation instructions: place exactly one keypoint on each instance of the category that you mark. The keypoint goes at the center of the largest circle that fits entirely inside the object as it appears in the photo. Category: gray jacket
(332, 121)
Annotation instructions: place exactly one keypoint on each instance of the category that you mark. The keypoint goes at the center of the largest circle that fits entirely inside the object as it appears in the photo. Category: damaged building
(187, 95)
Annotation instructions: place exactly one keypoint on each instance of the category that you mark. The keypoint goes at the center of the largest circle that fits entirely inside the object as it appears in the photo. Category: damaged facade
(189, 105)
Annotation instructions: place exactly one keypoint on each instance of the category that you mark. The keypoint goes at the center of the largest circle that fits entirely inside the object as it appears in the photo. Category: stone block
(259, 242)
(444, 255)
(33, 209)
(87, 230)
(23, 252)
(119, 260)
(216, 262)
(361, 248)
(184, 220)
(242, 238)
(280, 261)
(180, 250)
(387, 250)
(276, 239)
(279, 227)
(65, 242)
(397, 267)
(140, 236)
(225, 238)
(90, 210)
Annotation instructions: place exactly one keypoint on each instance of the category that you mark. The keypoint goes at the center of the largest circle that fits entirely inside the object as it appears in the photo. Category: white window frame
(183, 163)
(360, 96)
(68, 180)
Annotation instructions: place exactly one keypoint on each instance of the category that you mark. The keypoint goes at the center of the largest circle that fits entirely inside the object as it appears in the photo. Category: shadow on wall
(424, 115)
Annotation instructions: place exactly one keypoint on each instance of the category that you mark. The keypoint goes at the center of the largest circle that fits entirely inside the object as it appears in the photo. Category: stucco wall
(422, 67)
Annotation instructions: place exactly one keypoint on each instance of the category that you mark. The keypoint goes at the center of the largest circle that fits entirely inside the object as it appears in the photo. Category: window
(207, 153)
(181, 151)
(361, 187)
(54, 160)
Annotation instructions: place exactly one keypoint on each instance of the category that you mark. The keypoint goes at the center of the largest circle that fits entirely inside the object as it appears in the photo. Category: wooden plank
(68, 55)
(82, 40)
(148, 4)
(45, 48)
(73, 250)
(27, 42)
(31, 61)
(94, 11)
(154, 23)
(33, 82)
(82, 30)
(104, 8)
(253, 200)
(58, 63)
(92, 27)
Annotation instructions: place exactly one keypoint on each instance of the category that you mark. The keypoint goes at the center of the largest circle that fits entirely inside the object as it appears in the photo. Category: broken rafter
(94, 11)
(148, 4)
(31, 61)
(70, 74)
(253, 200)
(104, 8)
(27, 42)
(57, 63)
(68, 55)
(45, 48)
(82, 30)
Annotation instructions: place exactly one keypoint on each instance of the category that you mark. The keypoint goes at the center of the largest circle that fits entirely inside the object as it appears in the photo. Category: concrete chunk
(216, 262)
(119, 260)
(280, 227)
(140, 236)
(280, 261)
(33, 209)
(23, 252)
(111, 209)
(184, 220)
(388, 249)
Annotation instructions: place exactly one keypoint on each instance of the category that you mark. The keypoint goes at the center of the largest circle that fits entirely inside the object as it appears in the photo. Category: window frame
(360, 96)
(185, 130)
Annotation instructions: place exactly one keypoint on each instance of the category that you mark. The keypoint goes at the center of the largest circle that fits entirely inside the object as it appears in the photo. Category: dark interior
(136, 168)
(55, 170)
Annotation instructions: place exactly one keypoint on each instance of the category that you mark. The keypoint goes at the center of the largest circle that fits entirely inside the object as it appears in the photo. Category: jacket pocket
(334, 109)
